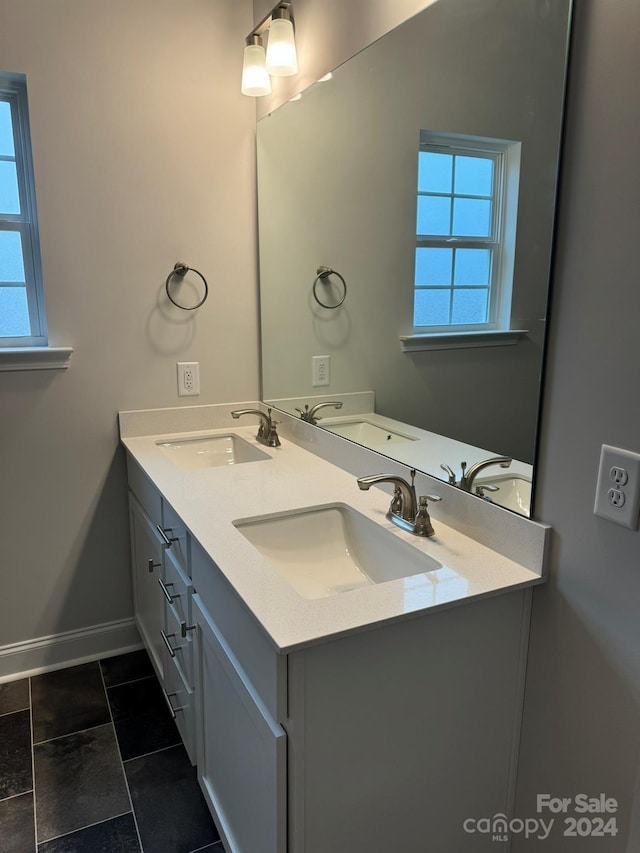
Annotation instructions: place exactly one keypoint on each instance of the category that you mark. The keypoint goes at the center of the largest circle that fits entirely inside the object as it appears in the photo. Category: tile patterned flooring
(91, 762)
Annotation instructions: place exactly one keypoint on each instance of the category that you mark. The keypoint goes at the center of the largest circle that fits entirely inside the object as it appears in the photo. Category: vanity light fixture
(255, 79)
(280, 59)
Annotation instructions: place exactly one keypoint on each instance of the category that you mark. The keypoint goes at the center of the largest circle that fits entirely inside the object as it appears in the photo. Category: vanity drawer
(180, 698)
(264, 667)
(179, 588)
(176, 531)
(178, 616)
(181, 647)
(144, 490)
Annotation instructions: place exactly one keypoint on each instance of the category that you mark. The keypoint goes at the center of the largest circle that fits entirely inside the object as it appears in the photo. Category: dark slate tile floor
(91, 762)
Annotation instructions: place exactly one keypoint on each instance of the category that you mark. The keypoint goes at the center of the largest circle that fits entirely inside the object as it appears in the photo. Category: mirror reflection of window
(465, 233)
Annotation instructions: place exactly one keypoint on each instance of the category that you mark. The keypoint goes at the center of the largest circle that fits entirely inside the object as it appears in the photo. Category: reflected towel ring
(323, 274)
(181, 270)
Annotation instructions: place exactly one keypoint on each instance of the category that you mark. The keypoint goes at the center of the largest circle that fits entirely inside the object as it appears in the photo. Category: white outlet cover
(320, 367)
(613, 460)
(188, 378)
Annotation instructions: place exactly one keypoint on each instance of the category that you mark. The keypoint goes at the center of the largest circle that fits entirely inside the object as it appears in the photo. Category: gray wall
(144, 155)
(582, 708)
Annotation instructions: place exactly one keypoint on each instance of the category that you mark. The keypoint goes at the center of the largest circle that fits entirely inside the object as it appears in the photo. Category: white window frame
(501, 242)
(13, 90)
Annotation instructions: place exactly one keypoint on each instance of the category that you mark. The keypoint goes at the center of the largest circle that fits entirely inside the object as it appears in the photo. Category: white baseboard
(20, 660)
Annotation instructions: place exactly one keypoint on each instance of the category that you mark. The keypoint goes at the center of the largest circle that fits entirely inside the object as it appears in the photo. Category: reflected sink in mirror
(513, 492)
(364, 432)
(329, 549)
(210, 451)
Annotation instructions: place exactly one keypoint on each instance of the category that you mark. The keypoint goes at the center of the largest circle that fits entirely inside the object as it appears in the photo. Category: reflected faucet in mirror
(267, 433)
(406, 511)
(467, 477)
(309, 414)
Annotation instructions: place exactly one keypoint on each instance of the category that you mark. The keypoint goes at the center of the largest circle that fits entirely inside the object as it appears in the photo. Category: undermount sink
(210, 451)
(365, 432)
(513, 493)
(332, 548)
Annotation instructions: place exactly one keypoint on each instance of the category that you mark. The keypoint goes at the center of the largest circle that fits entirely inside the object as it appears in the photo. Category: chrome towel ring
(323, 274)
(180, 270)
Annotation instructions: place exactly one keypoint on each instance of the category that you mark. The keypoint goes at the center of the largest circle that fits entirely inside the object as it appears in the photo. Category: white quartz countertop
(209, 500)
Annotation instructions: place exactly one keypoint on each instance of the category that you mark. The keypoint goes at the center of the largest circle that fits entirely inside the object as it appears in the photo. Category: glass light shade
(255, 80)
(281, 49)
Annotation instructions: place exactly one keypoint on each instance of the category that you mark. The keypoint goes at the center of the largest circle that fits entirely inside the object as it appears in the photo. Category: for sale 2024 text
(590, 816)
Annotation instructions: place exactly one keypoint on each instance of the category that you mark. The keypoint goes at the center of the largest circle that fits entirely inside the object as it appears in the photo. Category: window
(22, 318)
(465, 233)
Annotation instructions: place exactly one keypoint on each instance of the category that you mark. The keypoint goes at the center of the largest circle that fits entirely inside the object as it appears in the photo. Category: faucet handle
(489, 487)
(450, 474)
(396, 502)
(273, 439)
(422, 523)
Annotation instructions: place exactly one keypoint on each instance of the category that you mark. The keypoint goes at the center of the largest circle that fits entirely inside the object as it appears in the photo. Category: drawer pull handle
(184, 628)
(167, 699)
(167, 642)
(153, 566)
(167, 541)
(166, 592)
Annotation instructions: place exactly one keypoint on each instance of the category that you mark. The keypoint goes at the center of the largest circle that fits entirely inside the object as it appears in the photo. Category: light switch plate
(618, 489)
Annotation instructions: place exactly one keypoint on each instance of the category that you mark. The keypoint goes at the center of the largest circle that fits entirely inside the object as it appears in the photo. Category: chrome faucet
(267, 433)
(405, 510)
(309, 414)
(468, 476)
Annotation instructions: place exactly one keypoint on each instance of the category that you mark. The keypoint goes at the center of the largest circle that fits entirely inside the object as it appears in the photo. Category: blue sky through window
(455, 204)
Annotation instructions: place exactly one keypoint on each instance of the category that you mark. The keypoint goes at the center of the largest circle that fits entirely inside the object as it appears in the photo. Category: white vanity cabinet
(386, 737)
(394, 735)
(162, 593)
(400, 733)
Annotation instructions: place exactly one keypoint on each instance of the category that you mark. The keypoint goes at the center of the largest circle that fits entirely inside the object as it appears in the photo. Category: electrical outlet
(616, 497)
(188, 378)
(619, 476)
(618, 489)
(320, 370)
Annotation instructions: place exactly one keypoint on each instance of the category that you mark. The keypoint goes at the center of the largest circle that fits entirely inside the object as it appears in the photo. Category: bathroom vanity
(343, 713)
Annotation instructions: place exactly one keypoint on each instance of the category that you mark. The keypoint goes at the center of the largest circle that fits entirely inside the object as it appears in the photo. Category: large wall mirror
(342, 186)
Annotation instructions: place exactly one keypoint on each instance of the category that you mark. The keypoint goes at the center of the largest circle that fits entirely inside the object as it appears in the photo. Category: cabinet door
(147, 553)
(241, 752)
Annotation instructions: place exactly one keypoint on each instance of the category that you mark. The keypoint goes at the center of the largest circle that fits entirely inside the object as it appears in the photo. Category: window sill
(459, 340)
(35, 358)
